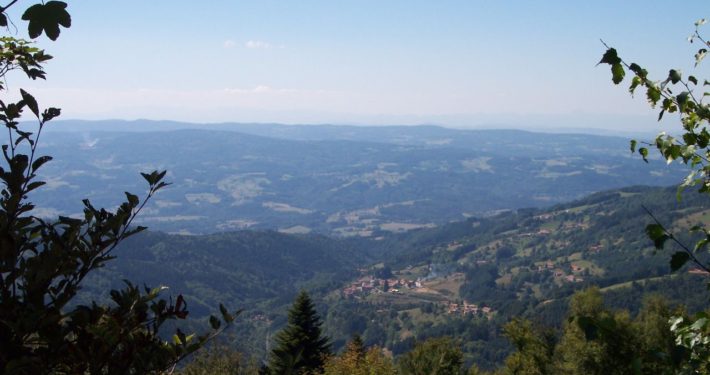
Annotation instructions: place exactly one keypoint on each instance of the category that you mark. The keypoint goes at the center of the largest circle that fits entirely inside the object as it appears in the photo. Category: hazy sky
(461, 63)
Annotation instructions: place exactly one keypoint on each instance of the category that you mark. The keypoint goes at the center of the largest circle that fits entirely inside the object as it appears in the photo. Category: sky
(521, 64)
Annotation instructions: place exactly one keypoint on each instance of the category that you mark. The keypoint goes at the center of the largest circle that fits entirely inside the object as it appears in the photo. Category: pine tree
(300, 347)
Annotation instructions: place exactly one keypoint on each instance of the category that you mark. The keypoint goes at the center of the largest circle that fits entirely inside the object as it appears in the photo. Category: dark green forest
(519, 264)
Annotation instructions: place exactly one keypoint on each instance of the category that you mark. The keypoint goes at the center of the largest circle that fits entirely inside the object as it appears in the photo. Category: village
(370, 285)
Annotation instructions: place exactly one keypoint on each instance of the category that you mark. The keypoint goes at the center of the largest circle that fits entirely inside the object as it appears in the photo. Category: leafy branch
(659, 235)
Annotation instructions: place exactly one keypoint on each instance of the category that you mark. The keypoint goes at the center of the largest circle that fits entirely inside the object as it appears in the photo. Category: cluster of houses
(369, 284)
(560, 273)
(466, 308)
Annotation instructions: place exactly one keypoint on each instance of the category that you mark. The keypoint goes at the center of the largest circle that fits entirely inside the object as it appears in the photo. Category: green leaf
(693, 79)
(50, 113)
(633, 146)
(226, 316)
(653, 94)
(635, 82)
(638, 70)
(214, 322)
(47, 17)
(132, 199)
(30, 101)
(690, 138)
(700, 56)
(682, 100)
(617, 73)
(40, 161)
(34, 185)
(678, 260)
(674, 76)
(657, 234)
(150, 178)
(644, 153)
(3, 20)
(610, 57)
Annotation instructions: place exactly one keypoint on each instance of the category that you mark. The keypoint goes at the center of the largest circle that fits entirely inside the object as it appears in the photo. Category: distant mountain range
(341, 180)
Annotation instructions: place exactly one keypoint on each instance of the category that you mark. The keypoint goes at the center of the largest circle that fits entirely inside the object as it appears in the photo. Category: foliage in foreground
(621, 344)
(43, 262)
(681, 95)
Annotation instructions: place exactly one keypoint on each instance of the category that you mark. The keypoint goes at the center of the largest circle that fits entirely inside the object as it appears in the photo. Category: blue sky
(458, 63)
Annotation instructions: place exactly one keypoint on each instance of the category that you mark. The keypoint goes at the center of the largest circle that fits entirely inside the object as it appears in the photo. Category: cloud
(263, 89)
(257, 44)
(229, 43)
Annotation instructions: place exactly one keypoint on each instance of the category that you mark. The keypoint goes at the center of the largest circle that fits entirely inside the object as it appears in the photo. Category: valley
(463, 279)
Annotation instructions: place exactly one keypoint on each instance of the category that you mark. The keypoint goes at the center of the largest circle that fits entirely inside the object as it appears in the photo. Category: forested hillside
(464, 279)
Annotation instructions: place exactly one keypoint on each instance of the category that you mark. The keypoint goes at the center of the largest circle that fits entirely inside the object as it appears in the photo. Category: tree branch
(670, 235)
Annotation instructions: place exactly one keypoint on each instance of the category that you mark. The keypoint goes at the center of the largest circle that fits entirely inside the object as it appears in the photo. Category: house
(470, 308)
(453, 307)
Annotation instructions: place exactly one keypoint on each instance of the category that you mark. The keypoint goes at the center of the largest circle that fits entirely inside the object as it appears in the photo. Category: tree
(43, 262)
(357, 360)
(300, 346)
(594, 340)
(436, 356)
(533, 350)
(656, 340)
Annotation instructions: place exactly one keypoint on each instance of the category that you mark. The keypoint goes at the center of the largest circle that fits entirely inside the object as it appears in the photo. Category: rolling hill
(344, 181)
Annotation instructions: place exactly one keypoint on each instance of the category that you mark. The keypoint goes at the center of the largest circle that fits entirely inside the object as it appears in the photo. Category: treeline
(594, 339)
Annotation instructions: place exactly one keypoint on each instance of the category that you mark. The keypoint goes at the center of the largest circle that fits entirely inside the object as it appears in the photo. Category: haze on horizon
(453, 63)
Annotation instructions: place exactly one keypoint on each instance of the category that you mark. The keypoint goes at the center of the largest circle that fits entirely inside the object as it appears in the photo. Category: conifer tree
(300, 347)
